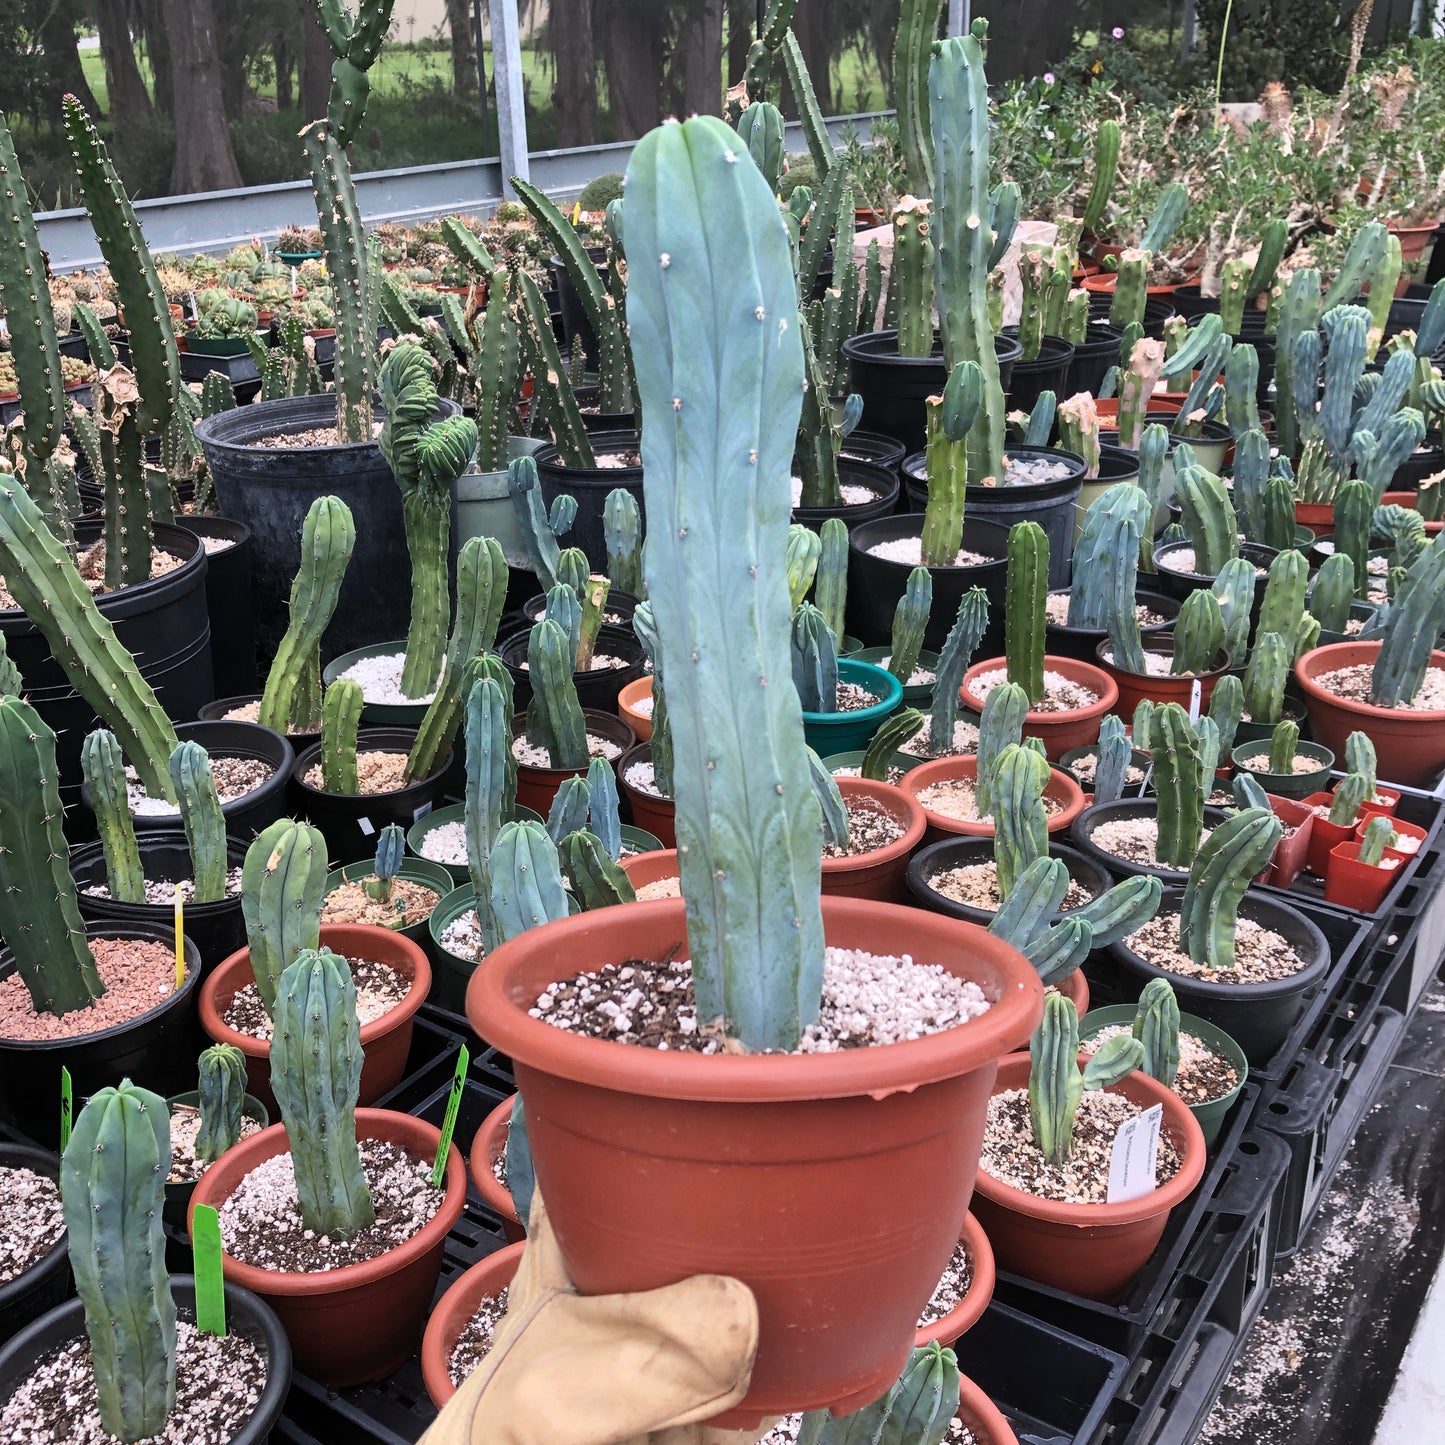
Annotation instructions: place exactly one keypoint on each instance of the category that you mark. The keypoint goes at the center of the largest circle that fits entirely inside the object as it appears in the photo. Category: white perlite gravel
(1156, 664)
(380, 679)
(446, 843)
(463, 936)
(33, 1220)
(640, 775)
(909, 551)
(1063, 692)
(531, 755)
(643, 706)
(162, 890)
(1022, 470)
(917, 678)
(853, 494)
(216, 544)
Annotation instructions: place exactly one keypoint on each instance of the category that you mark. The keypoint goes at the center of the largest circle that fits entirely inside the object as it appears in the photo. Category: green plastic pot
(1294, 711)
(1210, 1116)
(843, 732)
(1288, 785)
(454, 813)
(450, 973)
(850, 646)
(855, 760)
(918, 694)
(178, 1196)
(378, 714)
(216, 345)
(415, 870)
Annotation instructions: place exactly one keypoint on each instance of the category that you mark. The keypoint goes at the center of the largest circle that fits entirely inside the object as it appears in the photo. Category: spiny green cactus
(1000, 726)
(602, 807)
(1198, 634)
(1057, 1084)
(316, 1076)
(804, 550)
(291, 701)
(1107, 141)
(1299, 313)
(1234, 588)
(895, 731)
(222, 1085)
(1350, 792)
(1354, 512)
(1264, 678)
(1282, 744)
(831, 584)
(1284, 593)
(1130, 288)
(496, 366)
(815, 661)
(112, 1189)
(958, 648)
(203, 820)
(592, 611)
(1121, 910)
(622, 531)
(1333, 592)
(1112, 757)
(552, 396)
(554, 717)
(386, 864)
(283, 882)
(1417, 614)
(760, 128)
(1142, 724)
(1378, 836)
(837, 825)
(527, 887)
(597, 881)
(1156, 1026)
(1106, 570)
(1208, 518)
(1146, 365)
(1037, 895)
(914, 40)
(1251, 473)
(1021, 831)
(1179, 783)
(1360, 758)
(1226, 864)
(1247, 791)
(568, 813)
(490, 792)
(910, 621)
(916, 1410)
(340, 720)
(103, 769)
(1028, 586)
(949, 421)
(355, 40)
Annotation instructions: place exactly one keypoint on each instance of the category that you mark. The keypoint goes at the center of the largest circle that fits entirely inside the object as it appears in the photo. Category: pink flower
(1048, 77)
(1118, 32)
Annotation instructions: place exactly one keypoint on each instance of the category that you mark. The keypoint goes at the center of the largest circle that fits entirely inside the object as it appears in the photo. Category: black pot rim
(907, 523)
(976, 492)
(920, 870)
(1157, 600)
(1054, 352)
(602, 441)
(622, 638)
(1214, 431)
(38, 1161)
(82, 854)
(1082, 828)
(884, 480)
(600, 724)
(370, 740)
(226, 528)
(640, 753)
(882, 347)
(539, 602)
(299, 419)
(1260, 554)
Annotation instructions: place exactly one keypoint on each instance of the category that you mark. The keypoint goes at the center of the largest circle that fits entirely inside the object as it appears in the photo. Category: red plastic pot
(1319, 517)
(1411, 742)
(1292, 851)
(645, 868)
(454, 1310)
(1061, 786)
(1105, 281)
(1160, 401)
(1134, 687)
(879, 874)
(489, 1146)
(1407, 830)
(627, 699)
(969, 1310)
(1092, 1250)
(357, 1323)
(656, 814)
(1324, 835)
(1058, 731)
(1385, 801)
(831, 1184)
(536, 787)
(385, 1042)
(1352, 884)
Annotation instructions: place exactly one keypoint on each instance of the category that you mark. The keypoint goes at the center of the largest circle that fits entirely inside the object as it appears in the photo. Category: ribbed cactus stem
(1000, 727)
(527, 886)
(831, 582)
(597, 881)
(1350, 792)
(1378, 836)
(1333, 592)
(1284, 593)
(1028, 587)
(1282, 744)
(1106, 561)
(112, 1189)
(1156, 1026)
(1021, 831)
(589, 624)
(913, 277)
(283, 882)
(489, 793)
(103, 769)
(340, 721)
(1198, 635)
(568, 813)
(1417, 614)
(1130, 288)
(602, 805)
(1146, 365)
(1121, 910)
(949, 420)
(1226, 707)
(1112, 756)
(554, 719)
(386, 863)
(1265, 677)
(222, 1086)
(910, 620)
(1179, 784)
(622, 532)
(917, 31)
(1208, 516)
(203, 820)
(1219, 876)
(815, 661)
(801, 555)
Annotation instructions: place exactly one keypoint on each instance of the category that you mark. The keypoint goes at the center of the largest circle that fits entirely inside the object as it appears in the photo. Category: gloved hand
(635, 1369)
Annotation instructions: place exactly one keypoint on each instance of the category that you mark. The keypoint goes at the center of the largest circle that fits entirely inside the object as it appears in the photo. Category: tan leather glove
(634, 1369)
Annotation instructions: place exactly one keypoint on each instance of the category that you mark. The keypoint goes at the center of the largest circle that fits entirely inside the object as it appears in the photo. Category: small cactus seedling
(1282, 744)
(222, 1086)
(1156, 1026)
(1379, 835)
(390, 852)
(340, 721)
(1226, 864)
(1179, 782)
(1112, 757)
(1350, 793)
(1360, 758)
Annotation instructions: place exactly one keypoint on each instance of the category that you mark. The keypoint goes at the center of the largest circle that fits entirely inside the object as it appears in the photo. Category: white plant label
(1196, 693)
(365, 825)
(1132, 1163)
(419, 813)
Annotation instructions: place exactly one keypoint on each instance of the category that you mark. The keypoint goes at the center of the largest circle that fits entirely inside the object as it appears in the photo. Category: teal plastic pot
(178, 1196)
(454, 813)
(378, 714)
(855, 760)
(415, 870)
(918, 694)
(1209, 1116)
(845, 732)
(1288, 785)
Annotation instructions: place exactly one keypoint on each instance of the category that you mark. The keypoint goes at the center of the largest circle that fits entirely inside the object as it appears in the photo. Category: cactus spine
(1179, 782)
(203, 820)
(1156, 1026)
(104, 772)
(283, 882)
(340, 719)
(1221, 873)
(112, 1191)
(910, 620)
(622, 531)
(1028, 586)
(222, 1085)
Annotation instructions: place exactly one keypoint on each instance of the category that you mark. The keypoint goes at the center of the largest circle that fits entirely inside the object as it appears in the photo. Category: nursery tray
(1231, 1183)
(1176, 1372)
(240, 370)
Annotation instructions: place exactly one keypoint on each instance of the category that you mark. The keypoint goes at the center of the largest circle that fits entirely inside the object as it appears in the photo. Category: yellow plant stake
(180, 941)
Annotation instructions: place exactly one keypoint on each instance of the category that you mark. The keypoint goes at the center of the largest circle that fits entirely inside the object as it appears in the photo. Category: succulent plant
(1264, 678)
(910, 621)
(283, 883)
(1198, 634)
(815, 661)
(1028, 586)
(222, 1088)
(202, 819)
(1179, 783)
(830, 586)
(895, 730)
(1156, 1026)
(1225, 865)
(622, 530)
(1112, 756)
(1417, 614)
(949, 420)
(527, 887)
(103, 769)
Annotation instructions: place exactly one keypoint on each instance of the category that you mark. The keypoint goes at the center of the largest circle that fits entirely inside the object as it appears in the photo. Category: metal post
(511, 95)
(1186, 31)
(959, 16)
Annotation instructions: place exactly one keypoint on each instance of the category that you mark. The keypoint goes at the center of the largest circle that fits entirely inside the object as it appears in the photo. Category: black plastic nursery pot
(217, 929)
(47, 1282)
(246, 1316)
(875, 584)
(229, 601)
(576, 328)
(350, 823)
(270, 488)
(1177, 583)
(597, 689)
(620, 607)
(162, 623)
(881, 482)
(594, 419)
(590, 486)
(958, 852)
(1051, 504)
(1257, 1016)
(216, 712)
(894, 388)
(873, 447)
(1082, 828)
(178, 1195)
(1092, 358)
(1082, 643)
(156, 1049)
(1048, 371)
(1426, 461)
(1157, 310)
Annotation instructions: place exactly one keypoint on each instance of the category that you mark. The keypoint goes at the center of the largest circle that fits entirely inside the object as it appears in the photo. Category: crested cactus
(622, 532)
(1417, 614)
(283, 882)
(1028, 586)
(597, 881)
(1112, 757)
(1333, 592)
(830, 590)
(203, 820)
(1282, 744)
(386, 863)
(104, 771)
(222, 1086)
(1179, 782)
(1208, 517)
(1219, 876)
(949, 423)
(815, 661)
(112, 1189)
(1198, 635)
(316, 1076)
(1156, 1026)
(1057, 1083)
(1021, 831)
(910, 620)
(527, 888)
(1378, 836)
(340, 720)
(554, 716)
(291, 701)
(1264, 678)
(1000, 726)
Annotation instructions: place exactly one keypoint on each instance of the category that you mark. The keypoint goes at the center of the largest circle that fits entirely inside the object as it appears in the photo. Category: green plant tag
(449, 1120)
(210, 1282)
(67, 1107)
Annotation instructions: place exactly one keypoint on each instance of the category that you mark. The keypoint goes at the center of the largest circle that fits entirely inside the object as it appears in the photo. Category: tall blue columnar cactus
(112, 1189)
(963, 239)
(720, 368)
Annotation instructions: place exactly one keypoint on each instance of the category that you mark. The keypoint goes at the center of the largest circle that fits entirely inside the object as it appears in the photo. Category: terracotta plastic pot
(1319, 517)
(1058, 731)
(789, 1172)
(453, 1313)
(1092, 1250)
(1405, 830)
(536, 787)
(489, 1146)
(649, 810)
(1325, 836)
(1134, 687)
(1411, 743)
(627, 700)
(1353, 884)
(385, 1042)
(1292, 851)
(969, 1310)
(1060, 787)
(984, 1419)
(1385, 801)
(648, 868)
(879, 874)
(359, 1322)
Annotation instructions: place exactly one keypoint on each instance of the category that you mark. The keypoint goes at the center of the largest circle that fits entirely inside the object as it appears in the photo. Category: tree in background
(204, 160)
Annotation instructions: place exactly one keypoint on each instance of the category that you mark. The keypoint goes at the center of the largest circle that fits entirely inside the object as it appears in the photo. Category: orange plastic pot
(1324, 836)
(1413, 241)
(1385, 801)
(1105, 281)
(1092, 1250)
(454, 1310)
(489, 1146)
(385, 1042)
(627, 700)
(1160, 401)
(879, 874)
(1407, 830)
(984, 1419)
(1058, 731)
(645, 868)
(969, 1310)
(1319, 517)
(831, 1184)
(1134, 687)
(1061, 787)
(1292, 851)
(357, 1323)
(1349, 883)
(536, 787)
(1411, 743)
(658, 815)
